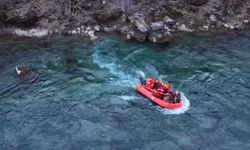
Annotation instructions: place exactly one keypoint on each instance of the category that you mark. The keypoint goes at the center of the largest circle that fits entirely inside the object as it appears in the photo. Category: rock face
(135, 19)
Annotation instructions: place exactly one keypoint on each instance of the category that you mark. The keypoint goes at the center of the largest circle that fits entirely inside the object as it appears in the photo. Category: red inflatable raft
(146, 91)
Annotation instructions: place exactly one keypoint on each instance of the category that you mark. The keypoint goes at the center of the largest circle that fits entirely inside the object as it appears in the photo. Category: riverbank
(157, 22)
(85, 91)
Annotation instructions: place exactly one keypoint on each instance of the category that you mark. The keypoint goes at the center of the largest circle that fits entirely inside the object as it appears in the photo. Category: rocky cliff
(153, 20)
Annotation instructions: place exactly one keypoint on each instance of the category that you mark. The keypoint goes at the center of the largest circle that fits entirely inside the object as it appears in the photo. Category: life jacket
(157, 89)
(156, 93)
(167, 86)
(150, 82)
(155, 85)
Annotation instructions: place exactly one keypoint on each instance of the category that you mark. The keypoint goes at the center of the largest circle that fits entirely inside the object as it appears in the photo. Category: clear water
(84, 96)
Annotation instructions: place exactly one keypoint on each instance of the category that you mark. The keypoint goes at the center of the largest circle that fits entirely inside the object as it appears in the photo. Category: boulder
(26, 75)
(141, 25)
(139, 36)
(158, 37)
(157, 25)
(22, 70)
(168, 20)
(139, 22)
(92, 35)
(97, 28)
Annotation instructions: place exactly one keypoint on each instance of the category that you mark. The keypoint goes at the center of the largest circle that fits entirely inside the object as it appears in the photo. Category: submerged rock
(26, 75)
(22, 70)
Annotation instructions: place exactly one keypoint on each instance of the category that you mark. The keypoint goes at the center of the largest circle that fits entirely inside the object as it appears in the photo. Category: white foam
(132, 54)
(152, 71)
(126, 76)
(141, 73)
(128, 97)
(183, 109)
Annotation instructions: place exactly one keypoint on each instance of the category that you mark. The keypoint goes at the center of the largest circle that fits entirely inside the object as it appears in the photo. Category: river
(84, 96)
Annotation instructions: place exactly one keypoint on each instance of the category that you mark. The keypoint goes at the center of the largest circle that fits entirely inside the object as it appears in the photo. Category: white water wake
(183, 109)
(125, 73)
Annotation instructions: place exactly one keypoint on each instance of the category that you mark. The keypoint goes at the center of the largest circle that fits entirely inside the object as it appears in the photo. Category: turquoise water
(84, 96)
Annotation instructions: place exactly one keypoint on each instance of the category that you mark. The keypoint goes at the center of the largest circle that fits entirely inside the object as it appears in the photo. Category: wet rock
(70, 64)
(158, 37)
(22, 70)
(26, 75)
(157, 25)
(139, 36)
